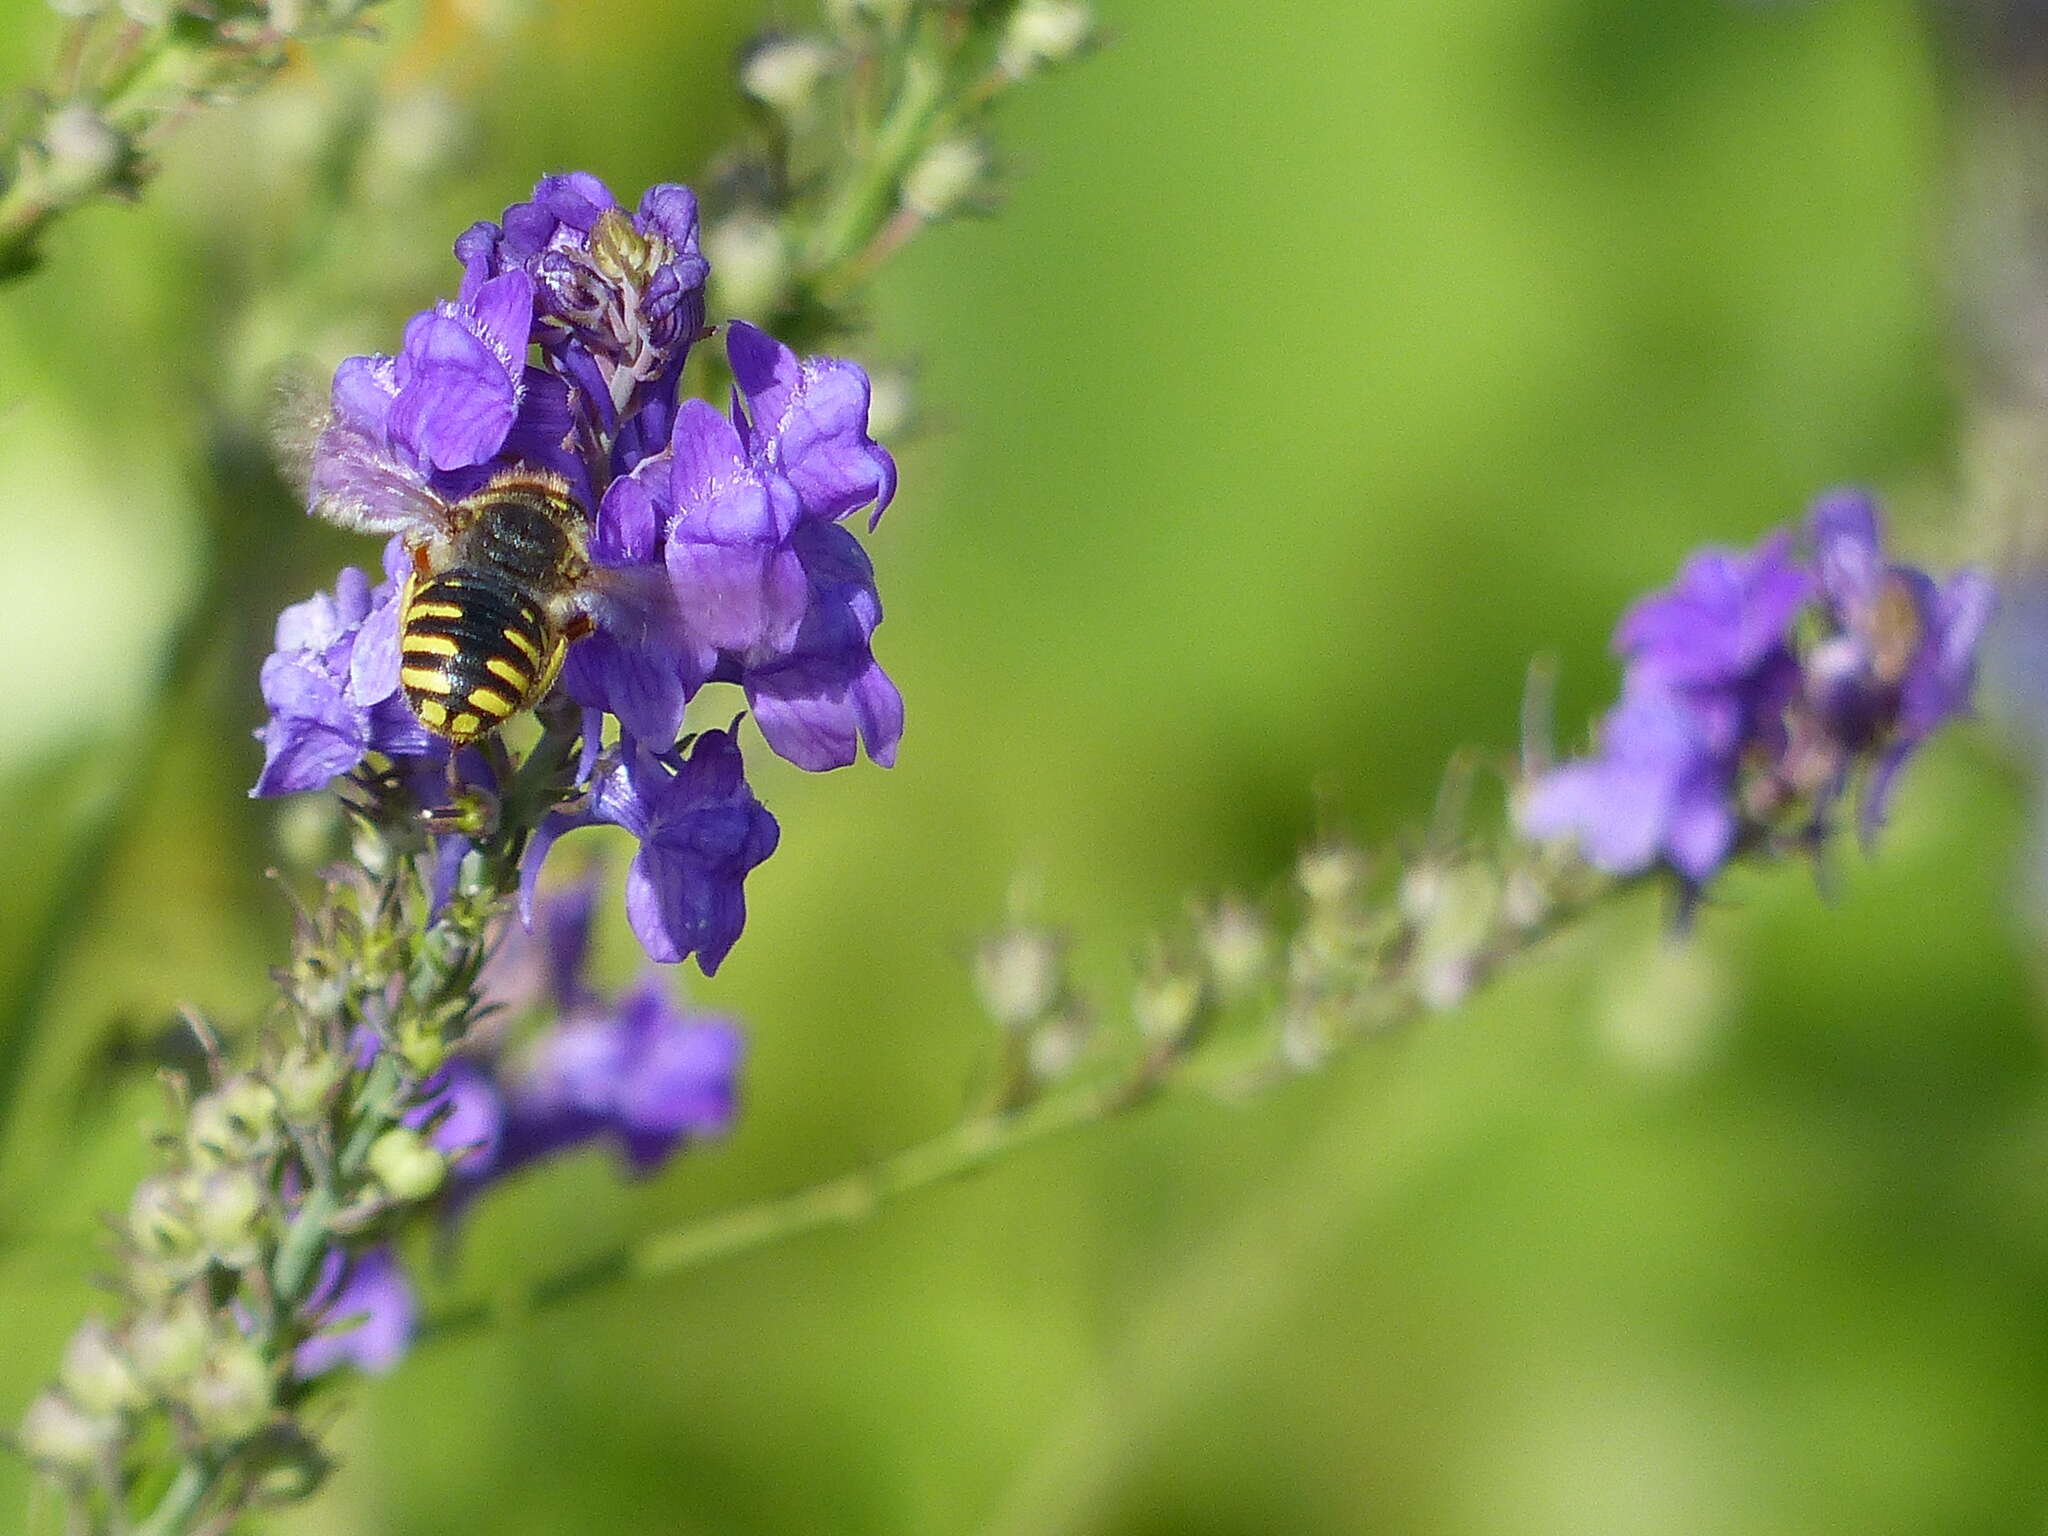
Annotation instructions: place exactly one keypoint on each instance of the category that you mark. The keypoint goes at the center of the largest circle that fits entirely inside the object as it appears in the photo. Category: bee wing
(636, 603)
(345, 475)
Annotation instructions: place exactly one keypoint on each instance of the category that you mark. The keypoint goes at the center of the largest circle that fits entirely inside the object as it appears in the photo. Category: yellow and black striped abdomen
(474, 651)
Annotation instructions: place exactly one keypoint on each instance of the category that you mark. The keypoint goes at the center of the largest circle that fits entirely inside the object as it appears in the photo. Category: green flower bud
(231, 1397)
(63, 1439)
(230, 1215)
(406, 1164)
(235, 1123)
(1168, 1002)
(160, 1222)
(284, 1465)
(166, 1346)
(947, 177)
(305, 1083)
(95, 1375)
(1330, 874)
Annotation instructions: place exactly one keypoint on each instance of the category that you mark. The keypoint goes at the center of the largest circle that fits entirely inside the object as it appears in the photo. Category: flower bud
(406, 1165)
(63, 1439)
(166, 1346)
(234, 1123)
(784, 72)
(892, 403)
(305, 1082)
(749, 256)
(1020, 974)
(160, 1222)
(147, 13)
(95, 1376)
(1456, 925)
(77, 8)
(1055, 1047)
(1236, 946)
(1524, 898)
(1043, 32)
(1330, 874)
(946, 178)
(285, 1465)
(231, 1396)
(229, 1214)
(1168, 1001)
(85, 151)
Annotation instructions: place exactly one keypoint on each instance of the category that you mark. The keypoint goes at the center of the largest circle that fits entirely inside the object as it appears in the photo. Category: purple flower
(1727, 616)
(772, 593)
(458, 400)
(1657, 789)
(1901, 655)
(645, 1076)
(700, 830)
(365, 1313)
(1755, 689)
(620, 297)
(331, 687)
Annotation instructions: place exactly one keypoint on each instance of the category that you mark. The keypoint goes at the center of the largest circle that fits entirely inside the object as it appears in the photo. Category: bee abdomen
(473, 652)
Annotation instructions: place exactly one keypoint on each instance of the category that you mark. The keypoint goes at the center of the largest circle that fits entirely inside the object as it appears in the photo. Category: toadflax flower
(364, 1311)
(1755, 688)
(563, 526)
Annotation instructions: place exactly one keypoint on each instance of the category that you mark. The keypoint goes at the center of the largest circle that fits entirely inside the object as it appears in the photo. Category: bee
(501, 582)
(493, 603)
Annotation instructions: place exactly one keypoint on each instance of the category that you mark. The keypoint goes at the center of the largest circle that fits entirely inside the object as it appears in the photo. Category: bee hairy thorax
(479, 640)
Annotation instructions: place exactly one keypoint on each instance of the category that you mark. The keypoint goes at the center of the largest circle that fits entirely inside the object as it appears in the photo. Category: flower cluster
(715, 543)
(1758, 689)
(633, 1072)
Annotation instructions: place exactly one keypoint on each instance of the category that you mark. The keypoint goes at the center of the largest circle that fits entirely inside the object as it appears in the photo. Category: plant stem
(181, 1501)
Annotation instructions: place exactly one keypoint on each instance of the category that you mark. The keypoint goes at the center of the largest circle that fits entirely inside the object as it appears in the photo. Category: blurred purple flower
(1756, 688)
(365, 1314)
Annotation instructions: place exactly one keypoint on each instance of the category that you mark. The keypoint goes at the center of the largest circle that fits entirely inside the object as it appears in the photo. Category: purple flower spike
(330, 694)
(367, 1314)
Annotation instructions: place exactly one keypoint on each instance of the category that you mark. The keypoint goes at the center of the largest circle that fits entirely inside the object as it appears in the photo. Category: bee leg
(578, 626)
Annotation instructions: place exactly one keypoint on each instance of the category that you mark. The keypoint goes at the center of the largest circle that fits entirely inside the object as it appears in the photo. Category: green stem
(868, 198)
(174, 1512)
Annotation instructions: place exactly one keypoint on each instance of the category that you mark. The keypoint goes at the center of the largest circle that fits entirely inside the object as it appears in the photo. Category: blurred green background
(1327, 362)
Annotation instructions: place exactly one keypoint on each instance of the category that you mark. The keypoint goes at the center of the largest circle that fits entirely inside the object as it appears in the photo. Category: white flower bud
(947, 176)
(785, 73)
(85, 151)
(892, 403)
(1055, 1047)
(94, 1374)
(406, 1165)
(61, 1438)
(1236, 945)
(1043, 32)
(1020, 974)
(231, 1396)
(749, 256)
